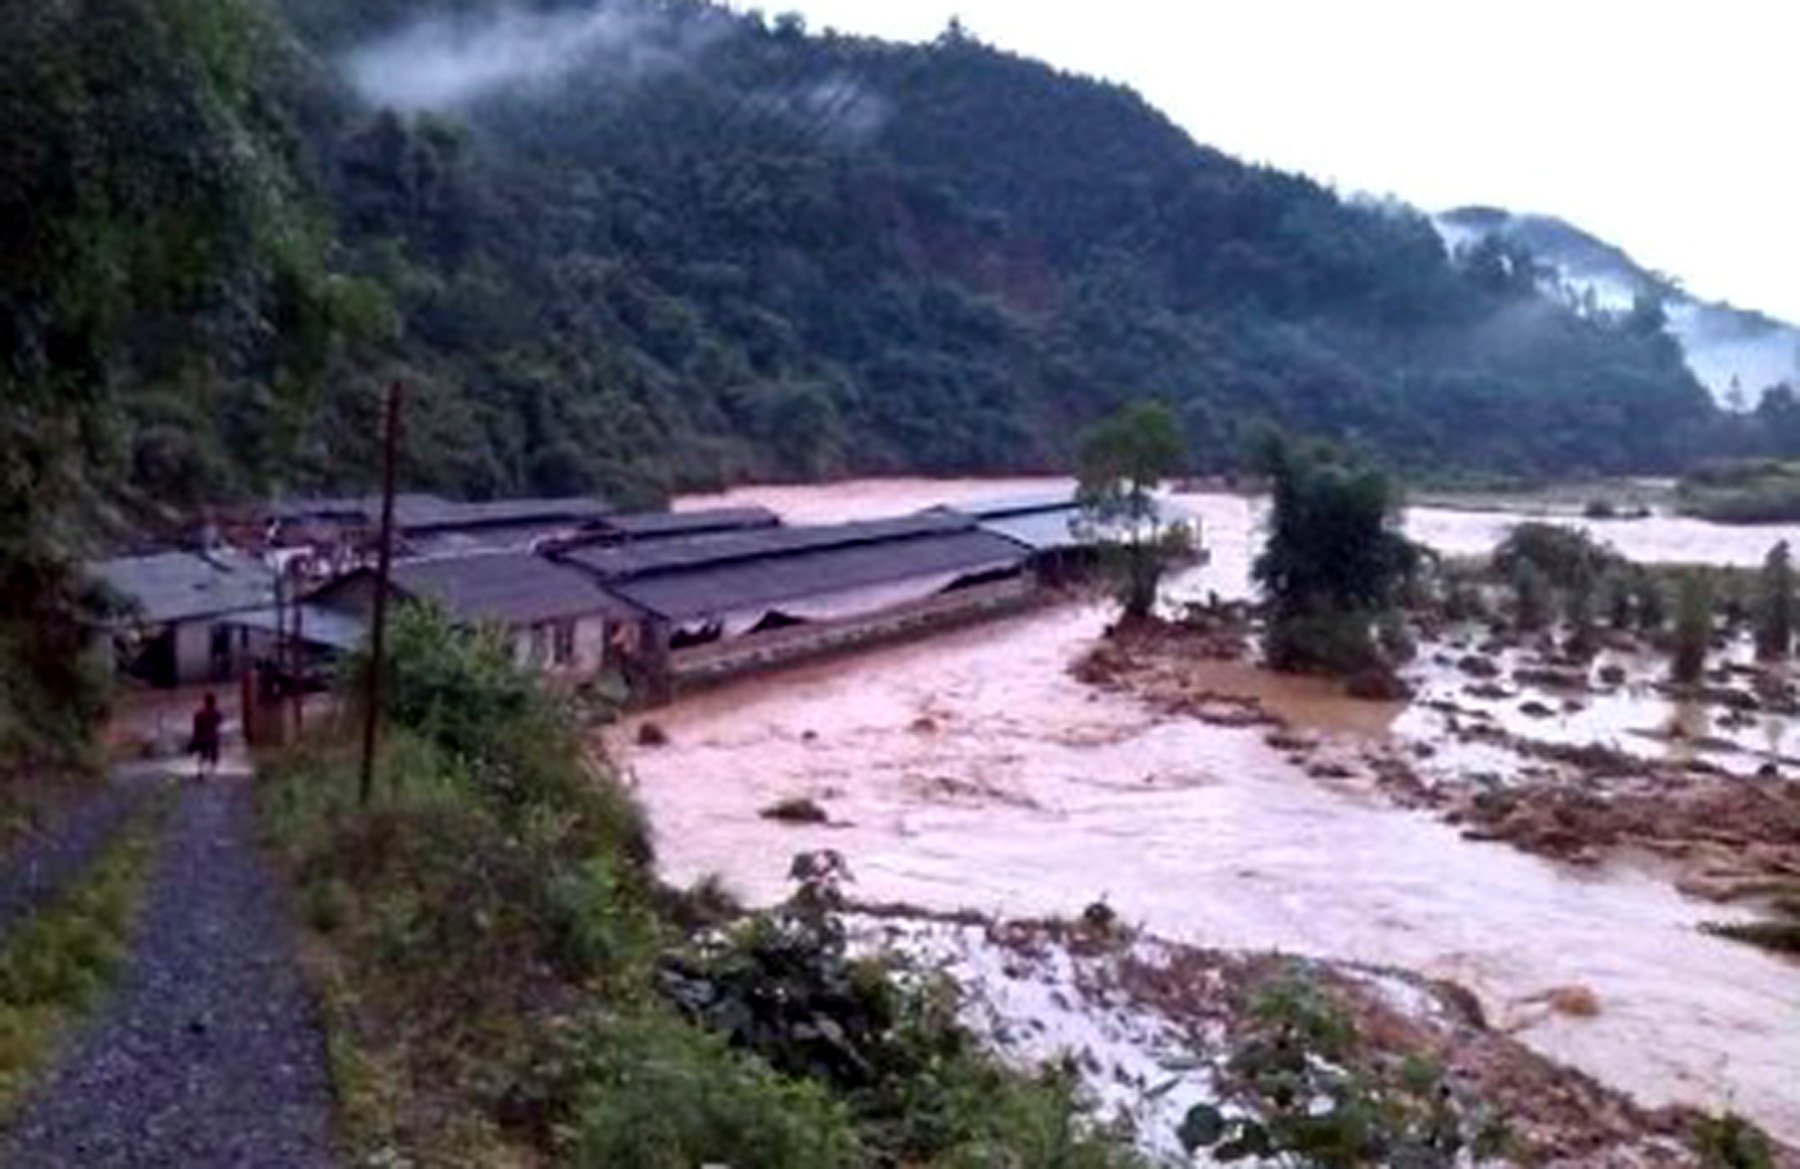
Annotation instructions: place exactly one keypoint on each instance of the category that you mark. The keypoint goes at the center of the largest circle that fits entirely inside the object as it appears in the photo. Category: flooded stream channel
(971, 770)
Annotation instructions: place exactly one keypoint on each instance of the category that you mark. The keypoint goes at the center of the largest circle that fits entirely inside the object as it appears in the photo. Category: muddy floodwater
(971, 771)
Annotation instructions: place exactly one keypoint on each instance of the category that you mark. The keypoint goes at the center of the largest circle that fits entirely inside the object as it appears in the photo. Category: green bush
(657, 1093)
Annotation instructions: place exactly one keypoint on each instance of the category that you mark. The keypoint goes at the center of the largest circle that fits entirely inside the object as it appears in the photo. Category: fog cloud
(442, 63)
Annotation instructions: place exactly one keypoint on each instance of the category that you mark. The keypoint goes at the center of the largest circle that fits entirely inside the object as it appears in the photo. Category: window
(565, 643)
(540, 644)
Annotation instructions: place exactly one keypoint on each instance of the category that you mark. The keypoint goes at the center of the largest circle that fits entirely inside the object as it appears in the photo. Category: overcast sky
(1666, 126)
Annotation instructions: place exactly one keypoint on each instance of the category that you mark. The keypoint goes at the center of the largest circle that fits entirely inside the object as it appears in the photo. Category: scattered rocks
(1479, 666)
(651, 734)
(1551, 677)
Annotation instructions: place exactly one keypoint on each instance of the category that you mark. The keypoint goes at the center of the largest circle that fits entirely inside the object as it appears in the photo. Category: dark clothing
(207, 721)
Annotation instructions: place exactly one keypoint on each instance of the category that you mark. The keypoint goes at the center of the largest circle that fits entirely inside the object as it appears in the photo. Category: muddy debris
(796, 810)
(1551, 677)
(1479, 666)
(1378, 683)
(1218, 1002)
(652, 734)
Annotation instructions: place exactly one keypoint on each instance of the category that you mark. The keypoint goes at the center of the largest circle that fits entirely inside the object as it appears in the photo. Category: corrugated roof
(616, 562)
(653, 525)
(1009, 505)
(710, 588)
(512, 588)
(1051, 520)
(1040, 531)
(318, 625)
(503, 513)
(182, 586)
(419, 512)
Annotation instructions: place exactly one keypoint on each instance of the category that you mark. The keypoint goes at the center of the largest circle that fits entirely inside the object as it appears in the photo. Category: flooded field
(972, 771)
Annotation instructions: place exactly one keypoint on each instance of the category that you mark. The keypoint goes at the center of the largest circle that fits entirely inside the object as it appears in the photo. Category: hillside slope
(654, 244)
(1735, 352)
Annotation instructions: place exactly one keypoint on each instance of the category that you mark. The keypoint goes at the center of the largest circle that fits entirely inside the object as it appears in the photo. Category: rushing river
(970, 770)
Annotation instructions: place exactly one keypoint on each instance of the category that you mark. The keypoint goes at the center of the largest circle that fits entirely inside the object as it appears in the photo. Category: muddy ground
(1154, 1027)
(1724, 816)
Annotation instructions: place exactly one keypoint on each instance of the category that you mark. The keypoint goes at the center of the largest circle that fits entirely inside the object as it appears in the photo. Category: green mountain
(653, 244)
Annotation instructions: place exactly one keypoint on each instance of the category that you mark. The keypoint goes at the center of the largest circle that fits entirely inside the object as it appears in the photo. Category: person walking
(204, 743)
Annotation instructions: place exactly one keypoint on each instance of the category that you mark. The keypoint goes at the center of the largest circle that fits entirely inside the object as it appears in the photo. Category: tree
(1124, 459)
(1334, 558)
(1693, 628)
(1533, 596)
(1775, 605)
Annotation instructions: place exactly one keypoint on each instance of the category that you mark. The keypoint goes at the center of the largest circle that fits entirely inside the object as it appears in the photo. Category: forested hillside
(655, 245)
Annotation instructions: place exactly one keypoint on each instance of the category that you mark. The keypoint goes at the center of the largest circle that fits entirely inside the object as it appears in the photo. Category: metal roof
(710, 588)
(1040, 531)
(319, 625)
(1007, 505)
(183, 586)
(616, 562)
(653, 525)
(512, 588)
(1051, 520)
(421, 513)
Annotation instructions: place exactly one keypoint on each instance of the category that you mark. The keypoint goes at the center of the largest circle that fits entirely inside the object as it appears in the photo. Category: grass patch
(56, 963)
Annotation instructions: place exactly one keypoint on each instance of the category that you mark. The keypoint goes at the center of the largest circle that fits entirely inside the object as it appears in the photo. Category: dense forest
(659, 244)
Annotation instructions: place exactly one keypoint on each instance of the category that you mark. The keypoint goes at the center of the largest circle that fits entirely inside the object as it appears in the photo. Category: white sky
(1665, 126)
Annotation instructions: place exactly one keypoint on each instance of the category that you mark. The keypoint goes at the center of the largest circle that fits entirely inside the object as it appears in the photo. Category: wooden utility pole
(384, 566)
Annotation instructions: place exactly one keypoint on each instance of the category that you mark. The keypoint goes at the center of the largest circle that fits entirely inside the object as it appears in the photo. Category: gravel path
(208, 1053)
(37, 867)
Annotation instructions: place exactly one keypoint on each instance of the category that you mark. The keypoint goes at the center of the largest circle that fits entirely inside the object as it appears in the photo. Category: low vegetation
(56, 963)
(1743, 491)
(505, 980)
(1320, 1094)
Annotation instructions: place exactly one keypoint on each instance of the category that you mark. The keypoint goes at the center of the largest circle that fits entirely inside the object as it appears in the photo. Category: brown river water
(971, 771)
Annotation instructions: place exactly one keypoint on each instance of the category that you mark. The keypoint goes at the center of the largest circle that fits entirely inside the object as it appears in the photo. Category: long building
(710, 606)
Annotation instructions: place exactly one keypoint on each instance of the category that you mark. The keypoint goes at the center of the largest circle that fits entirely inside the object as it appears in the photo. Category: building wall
(534, 647)
(193, 652)
(732, 656)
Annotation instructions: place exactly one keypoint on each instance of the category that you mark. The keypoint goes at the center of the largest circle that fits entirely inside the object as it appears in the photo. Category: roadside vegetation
(55, 964)
(504, 979)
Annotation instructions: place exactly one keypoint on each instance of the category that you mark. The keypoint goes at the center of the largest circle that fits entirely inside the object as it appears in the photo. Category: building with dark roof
(183, 612)
(710, 605)
(556, 616)
(1063, 540)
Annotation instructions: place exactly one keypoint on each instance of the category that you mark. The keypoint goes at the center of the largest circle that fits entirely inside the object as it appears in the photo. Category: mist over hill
(638, 246)
(1736, 353)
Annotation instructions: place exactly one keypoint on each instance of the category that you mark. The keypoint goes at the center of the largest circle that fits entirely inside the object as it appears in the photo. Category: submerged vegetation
(1124, 460)
(502, 971)
(1334, 561)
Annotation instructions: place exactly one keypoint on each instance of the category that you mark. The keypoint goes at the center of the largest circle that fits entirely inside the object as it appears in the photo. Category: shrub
(1568, 557)
(656, 1093)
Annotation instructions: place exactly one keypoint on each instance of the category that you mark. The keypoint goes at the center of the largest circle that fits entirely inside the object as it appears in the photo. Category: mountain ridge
(1736, 352)
(663, 245)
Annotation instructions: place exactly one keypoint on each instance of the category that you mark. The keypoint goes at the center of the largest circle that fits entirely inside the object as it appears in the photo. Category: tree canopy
(1334, 557)
(710, 247)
